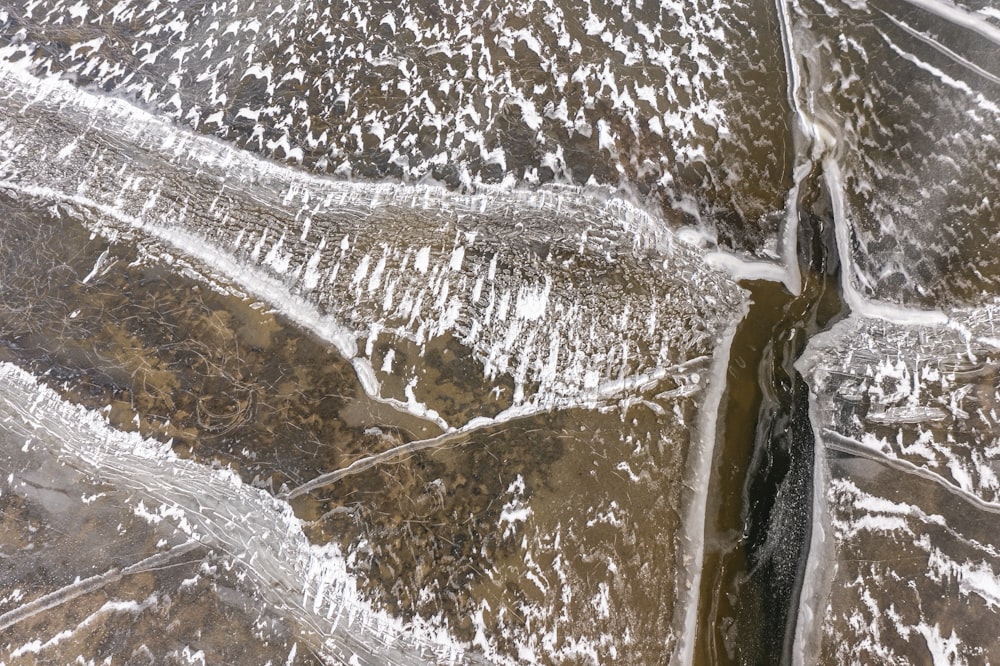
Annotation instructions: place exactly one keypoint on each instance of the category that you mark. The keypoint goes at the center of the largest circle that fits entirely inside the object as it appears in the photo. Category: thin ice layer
(635, 316)
(904, 99)
(680, 99)
(546, 538)
(905, 560)
(247, 529)
(562, 297)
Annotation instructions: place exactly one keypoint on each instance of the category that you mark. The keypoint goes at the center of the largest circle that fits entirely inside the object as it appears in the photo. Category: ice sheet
(374, 268)
(899, 103)
(507, 308)
(902, 99)
(65, 463)
(904, 558)
(644, 97)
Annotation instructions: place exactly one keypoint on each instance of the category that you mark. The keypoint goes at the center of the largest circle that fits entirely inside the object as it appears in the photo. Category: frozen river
(546, 333)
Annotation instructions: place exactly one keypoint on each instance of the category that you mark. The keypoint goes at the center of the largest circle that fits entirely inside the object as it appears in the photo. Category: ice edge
(700, 469)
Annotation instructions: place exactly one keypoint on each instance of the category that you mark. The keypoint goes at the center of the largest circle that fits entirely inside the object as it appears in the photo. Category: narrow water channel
(758, 518)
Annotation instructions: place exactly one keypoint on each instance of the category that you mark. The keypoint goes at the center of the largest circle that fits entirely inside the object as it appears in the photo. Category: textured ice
(643, 96)
(471, 301)
(899, 106)
(519, 278)
(905, 563)
(903, 101)
(469, 309)
(53, 448)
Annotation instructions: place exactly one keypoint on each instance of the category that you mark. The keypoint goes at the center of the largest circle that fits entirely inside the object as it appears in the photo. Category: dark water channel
(760, 498)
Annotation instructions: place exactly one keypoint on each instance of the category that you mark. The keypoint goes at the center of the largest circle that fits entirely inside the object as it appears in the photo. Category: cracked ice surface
(901, 99)
(906, 96)
(905, 562)
(562, 296)
(465, 92)
(66, 469)
(558, 299)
